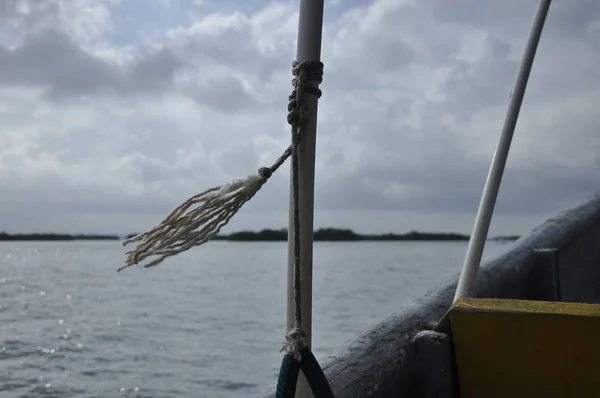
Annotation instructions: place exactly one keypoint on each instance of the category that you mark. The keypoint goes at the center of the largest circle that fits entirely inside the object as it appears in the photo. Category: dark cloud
(29, 13)
(52, 60)
(226, 94)
(153, 71)
(565, 18)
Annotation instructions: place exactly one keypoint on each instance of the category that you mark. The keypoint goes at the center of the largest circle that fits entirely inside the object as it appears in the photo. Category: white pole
(310, 28)
(470, 267)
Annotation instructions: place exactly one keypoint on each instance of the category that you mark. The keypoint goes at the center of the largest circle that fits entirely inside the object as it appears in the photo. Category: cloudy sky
(112, 112)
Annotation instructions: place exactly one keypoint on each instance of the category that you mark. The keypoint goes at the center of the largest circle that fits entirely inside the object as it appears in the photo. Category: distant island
(504, 237)
(334, 234)
(54, 237)
(272, 235)
(343, 235)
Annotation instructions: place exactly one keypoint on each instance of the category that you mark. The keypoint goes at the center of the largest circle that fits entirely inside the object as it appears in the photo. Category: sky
(112, 112)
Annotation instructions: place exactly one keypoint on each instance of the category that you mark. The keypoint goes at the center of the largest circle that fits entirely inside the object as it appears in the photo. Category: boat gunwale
(381, 361)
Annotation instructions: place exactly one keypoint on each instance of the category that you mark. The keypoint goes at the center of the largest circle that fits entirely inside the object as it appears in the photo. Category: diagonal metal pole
(470, 267)
(310, 28)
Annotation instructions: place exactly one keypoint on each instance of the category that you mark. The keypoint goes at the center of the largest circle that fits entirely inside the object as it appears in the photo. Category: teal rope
(288, 377)
(290, 369)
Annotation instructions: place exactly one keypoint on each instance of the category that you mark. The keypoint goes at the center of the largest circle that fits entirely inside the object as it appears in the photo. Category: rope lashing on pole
(298, 354)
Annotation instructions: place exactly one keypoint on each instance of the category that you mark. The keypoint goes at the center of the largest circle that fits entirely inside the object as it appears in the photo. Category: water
(208, 323)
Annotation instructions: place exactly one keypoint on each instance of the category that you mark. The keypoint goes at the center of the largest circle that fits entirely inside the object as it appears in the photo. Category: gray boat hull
(401, 357)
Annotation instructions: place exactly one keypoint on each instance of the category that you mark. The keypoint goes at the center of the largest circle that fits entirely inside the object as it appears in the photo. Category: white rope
(177, 232)
(295, 342)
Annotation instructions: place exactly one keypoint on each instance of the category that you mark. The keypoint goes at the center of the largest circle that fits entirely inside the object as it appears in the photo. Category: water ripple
(207, 323)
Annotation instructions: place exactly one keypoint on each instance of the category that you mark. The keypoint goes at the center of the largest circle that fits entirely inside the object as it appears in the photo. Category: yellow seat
(517, 348)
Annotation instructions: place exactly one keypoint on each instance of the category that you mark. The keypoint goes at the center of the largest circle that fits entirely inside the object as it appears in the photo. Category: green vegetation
(53, 237)
(507, 237)
(272, 235)
(335, 234)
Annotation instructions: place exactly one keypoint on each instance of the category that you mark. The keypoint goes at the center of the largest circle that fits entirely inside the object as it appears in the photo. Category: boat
(522, 324)
(405, 356)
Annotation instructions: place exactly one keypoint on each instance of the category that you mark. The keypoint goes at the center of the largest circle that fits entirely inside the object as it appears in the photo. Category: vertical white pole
(470, 268)
(310, 28)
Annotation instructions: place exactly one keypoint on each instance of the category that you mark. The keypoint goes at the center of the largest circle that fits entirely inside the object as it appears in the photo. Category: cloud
(85, 20)
(51, 60)
(105, 128)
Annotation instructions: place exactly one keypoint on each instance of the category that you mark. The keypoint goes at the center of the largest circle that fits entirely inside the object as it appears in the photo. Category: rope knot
(296, 112)
(309, 74)
(307, 77)
(295, 342)
(265, 172)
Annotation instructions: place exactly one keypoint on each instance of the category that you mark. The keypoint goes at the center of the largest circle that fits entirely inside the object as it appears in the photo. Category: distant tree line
(336, 234)
(53, 237)
(270, 235)
(505, 237)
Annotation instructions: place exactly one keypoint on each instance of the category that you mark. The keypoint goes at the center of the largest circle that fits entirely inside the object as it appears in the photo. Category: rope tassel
(201, 217)
(186, 226)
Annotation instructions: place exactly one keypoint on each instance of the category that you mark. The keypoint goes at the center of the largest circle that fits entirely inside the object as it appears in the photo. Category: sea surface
(207, 323)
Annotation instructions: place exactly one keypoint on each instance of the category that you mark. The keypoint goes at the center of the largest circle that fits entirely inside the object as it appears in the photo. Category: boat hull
(401, 357)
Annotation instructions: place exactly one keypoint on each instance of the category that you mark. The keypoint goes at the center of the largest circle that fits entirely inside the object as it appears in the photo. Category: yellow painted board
(517, 348)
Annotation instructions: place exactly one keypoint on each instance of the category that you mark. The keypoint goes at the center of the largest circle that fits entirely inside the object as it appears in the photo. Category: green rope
(288, 377)
(290, 369)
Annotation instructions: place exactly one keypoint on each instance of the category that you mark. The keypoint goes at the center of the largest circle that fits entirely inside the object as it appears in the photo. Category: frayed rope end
(194, 222)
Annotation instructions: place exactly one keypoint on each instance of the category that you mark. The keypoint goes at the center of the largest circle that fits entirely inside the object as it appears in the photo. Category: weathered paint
(383, 362)
(522, 348)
